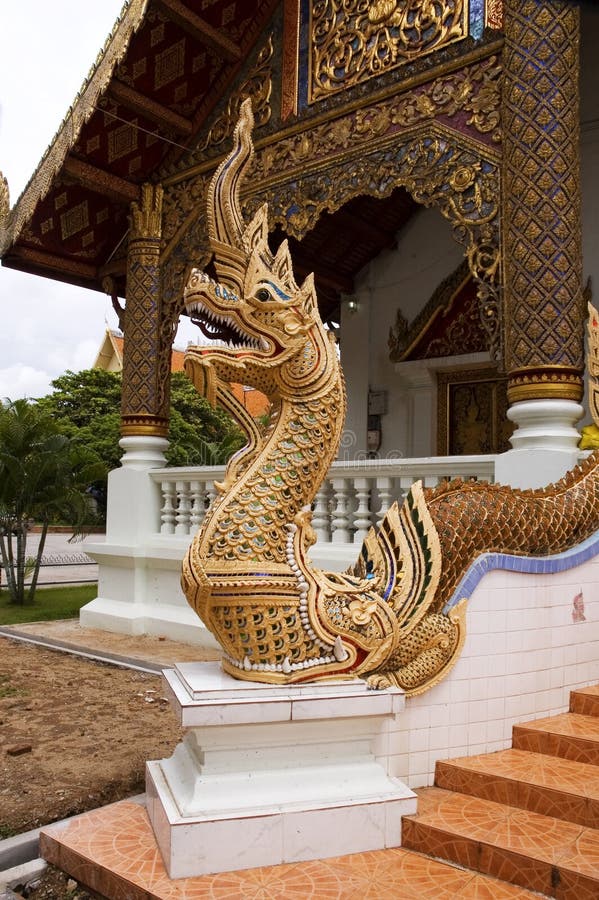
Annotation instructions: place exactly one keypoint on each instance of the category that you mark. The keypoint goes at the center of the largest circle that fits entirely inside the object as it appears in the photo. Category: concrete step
(585, 701)
(537, 852)
(570, 735)
(543, 784)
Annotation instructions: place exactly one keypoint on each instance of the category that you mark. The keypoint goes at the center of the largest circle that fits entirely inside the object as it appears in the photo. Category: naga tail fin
(402, 559)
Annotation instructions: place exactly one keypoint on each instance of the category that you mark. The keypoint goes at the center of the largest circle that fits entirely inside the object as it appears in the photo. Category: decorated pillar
(145, 400)
(542, 237)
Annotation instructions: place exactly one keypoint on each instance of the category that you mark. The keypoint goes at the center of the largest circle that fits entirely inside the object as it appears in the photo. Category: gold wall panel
(352, 41)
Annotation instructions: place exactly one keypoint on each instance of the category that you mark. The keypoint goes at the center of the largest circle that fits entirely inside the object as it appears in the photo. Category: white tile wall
(522, 656)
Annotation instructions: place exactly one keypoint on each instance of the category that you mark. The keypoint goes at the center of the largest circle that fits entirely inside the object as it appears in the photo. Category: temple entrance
(393, 281)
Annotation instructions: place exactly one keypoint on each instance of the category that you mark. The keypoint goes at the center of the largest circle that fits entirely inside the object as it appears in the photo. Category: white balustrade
(354, 496)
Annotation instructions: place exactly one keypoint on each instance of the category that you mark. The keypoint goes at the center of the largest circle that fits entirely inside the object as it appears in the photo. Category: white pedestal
(267, 775)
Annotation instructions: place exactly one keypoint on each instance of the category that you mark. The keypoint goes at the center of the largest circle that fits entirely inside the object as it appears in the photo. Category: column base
(268, 775)
(545, 443)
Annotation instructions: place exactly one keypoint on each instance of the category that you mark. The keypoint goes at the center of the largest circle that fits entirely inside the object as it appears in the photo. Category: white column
(133, 557)
(544, 443)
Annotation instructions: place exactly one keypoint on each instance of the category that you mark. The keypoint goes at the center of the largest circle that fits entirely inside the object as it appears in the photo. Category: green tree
(199, 435)
(43, 478)
(87, 406)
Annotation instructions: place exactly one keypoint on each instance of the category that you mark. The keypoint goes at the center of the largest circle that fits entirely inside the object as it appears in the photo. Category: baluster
(362, 520)
(210, 495)
(183, 508)
(384, 486)
(405, 483)
(198, 511)
(167, 513)
(431, 481)
(340, 517)
(320, 514)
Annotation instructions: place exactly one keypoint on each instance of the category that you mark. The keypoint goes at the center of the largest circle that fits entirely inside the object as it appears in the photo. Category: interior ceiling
(179, 63)
(343, 242)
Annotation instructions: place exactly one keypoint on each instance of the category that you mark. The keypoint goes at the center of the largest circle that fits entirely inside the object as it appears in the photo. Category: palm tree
(43, 477)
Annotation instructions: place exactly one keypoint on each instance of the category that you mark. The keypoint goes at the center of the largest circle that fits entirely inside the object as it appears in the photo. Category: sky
(46, 50)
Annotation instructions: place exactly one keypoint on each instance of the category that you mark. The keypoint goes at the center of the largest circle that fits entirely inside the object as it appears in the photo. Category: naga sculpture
(247, 573)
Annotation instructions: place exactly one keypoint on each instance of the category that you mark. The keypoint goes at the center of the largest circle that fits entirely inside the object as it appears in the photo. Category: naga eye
(263, 295)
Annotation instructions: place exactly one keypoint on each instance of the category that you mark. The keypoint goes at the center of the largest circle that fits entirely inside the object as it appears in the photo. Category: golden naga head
(253, 304)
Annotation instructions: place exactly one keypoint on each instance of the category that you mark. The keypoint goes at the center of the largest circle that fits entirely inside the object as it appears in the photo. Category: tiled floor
(112, 850)
(534, 781)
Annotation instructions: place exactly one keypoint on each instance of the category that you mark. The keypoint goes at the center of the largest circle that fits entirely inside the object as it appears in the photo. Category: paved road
(57, 549)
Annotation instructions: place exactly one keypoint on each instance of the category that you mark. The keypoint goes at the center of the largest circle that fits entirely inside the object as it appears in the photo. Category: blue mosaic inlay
(528, 565)
(477, 19)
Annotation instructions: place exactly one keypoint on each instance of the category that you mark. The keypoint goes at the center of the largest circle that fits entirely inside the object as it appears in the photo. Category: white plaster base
(267, 775)
(139, 589)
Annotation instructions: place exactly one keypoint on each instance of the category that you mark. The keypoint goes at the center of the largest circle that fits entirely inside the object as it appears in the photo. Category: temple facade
(433, 164)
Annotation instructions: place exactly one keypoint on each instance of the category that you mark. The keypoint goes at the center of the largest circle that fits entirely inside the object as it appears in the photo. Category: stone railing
(354, 496)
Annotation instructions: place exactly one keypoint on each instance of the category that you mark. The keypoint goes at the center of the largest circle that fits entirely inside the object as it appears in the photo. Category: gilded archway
(440, 140)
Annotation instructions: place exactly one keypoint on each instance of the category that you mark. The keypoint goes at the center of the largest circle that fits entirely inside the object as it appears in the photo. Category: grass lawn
(49, 603)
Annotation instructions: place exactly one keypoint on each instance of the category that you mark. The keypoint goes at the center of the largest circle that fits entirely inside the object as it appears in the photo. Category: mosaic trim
(525, 565)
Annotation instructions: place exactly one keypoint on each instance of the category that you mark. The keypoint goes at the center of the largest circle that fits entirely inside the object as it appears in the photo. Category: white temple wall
(531, 638)
(404, 279)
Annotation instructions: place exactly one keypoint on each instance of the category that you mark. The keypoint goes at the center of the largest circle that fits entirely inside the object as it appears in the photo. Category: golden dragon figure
(247, 573)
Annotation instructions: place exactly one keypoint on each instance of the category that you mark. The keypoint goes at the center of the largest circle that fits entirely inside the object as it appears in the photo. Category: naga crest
(254, 304)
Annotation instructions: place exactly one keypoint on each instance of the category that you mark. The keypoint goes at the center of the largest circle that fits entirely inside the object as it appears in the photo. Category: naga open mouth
(222, 328)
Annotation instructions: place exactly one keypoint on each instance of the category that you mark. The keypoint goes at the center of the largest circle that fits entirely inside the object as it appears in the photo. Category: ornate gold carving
(494, 13)
(460, 335)
(146, 216)
(544, 383)
(146, 358)
(593, 362)
(472, 412)
(258, 86)
(4, 210)
(330, 163)
(590, 433)
(247, 572)
(473, 90)
(352, 41)
(541, 190)
(438, 171)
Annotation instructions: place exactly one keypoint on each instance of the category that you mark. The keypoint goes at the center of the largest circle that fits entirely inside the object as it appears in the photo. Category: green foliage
(62, 602)
(87, 406)
(199, 435)
(44, 476)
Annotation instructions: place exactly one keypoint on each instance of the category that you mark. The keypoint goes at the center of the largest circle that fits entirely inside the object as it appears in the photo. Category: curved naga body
(247, 573)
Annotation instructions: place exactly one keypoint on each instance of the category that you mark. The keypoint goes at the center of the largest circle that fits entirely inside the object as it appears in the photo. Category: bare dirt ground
(75, 734)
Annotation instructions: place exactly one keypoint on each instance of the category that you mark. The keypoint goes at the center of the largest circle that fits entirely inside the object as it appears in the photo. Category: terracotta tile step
(585, 701)
(536, 782)
(569, 735)
(112, 850)
(540, 853)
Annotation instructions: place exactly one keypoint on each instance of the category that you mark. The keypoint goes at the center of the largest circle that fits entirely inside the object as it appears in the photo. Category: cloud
(23, 381)
(49, 327)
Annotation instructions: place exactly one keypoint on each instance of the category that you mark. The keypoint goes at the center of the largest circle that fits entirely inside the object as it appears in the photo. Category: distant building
(110, 358)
